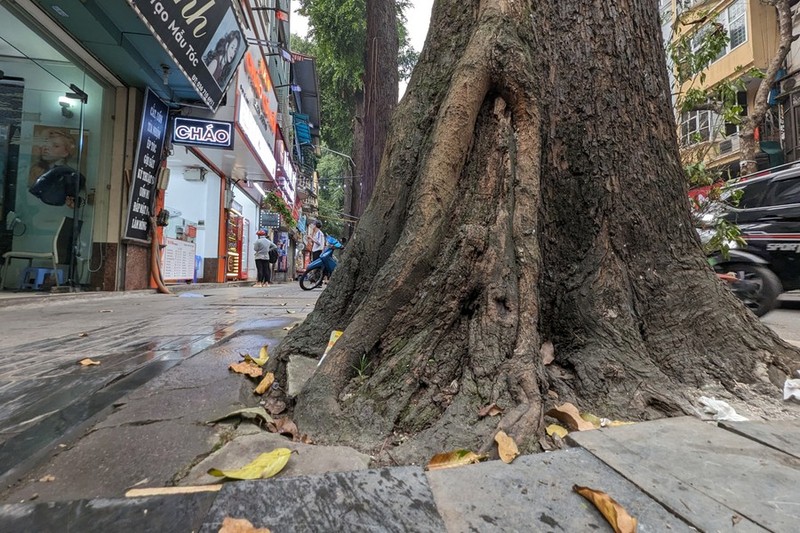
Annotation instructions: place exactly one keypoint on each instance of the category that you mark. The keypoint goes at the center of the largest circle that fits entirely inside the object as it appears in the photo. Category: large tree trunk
(530, 192)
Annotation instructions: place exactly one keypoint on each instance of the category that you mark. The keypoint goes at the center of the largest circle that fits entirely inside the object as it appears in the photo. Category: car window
(785, 192)
(752, 193)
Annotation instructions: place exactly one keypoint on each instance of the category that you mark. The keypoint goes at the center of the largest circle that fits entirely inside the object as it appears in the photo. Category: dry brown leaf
(247, 368)
(548, 352)
(490, 410)
(48, 478)
(274, 406)
(555, 429)
(286, 427)
(569, 415)
(453, 459)
(735, 519)
(506, 447)
(266, 383)
(88, 362)
(613, 512)
(305, 439)
(240, 525)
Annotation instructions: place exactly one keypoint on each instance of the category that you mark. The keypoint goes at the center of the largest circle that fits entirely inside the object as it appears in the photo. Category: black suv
(768, 214)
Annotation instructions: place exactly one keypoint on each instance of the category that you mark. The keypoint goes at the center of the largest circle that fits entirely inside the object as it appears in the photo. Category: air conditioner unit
(726, 146)
(194, 174)
(788, 84)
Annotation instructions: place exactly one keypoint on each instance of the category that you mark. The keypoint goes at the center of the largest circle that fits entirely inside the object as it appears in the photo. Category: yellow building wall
(761, 44)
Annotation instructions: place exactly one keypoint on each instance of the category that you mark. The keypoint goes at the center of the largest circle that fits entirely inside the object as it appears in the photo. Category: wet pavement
(47, 398)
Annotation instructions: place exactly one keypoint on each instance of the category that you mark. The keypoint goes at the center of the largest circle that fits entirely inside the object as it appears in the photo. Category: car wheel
(765, 297)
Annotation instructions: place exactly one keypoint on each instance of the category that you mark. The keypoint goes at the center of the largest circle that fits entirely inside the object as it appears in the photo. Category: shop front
(55, 158)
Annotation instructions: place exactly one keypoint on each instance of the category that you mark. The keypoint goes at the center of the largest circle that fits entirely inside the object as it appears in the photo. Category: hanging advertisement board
(205, 39)
(202, 132)
(149, 149)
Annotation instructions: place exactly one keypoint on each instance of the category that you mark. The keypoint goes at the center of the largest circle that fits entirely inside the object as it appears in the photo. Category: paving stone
(309, 459)
(534, 493)
(298, 371)
(109, 461)
(783, 435)
(706, 475)
(388, 499)
(156, 514)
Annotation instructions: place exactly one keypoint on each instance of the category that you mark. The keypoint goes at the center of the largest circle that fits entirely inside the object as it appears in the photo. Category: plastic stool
(34, 278)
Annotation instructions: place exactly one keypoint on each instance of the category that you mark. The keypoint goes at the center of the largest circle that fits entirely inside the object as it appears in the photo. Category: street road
(786, 320)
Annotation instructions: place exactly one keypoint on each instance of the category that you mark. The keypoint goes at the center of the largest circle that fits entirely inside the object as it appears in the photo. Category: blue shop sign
(201, 132)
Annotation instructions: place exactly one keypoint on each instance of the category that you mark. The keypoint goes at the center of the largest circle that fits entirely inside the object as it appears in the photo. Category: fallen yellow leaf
(266, 383)
(569, 415)
(613, 512)
(506, 447)
(264, 466)
(88, 362)
(593, 420)
(606, 423)
(248, 369)
(240, 525)
(48, 478)
(263, 357)
(453, 459)
(555, 429)
(490, 410)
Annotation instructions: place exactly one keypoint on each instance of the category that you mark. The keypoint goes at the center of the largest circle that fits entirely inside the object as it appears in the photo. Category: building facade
(93, 95)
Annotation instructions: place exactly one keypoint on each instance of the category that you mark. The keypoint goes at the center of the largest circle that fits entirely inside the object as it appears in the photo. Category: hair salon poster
(149, 150)
(205, 38)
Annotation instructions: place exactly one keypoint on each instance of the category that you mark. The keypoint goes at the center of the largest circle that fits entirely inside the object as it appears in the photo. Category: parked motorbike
(322, 267)
(749, 277)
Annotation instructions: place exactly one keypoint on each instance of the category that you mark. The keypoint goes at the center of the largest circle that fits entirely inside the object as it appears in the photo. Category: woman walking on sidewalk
(263, 247)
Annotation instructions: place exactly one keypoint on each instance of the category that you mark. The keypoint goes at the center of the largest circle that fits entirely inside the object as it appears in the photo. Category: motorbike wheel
(765, 297)
(311, 279)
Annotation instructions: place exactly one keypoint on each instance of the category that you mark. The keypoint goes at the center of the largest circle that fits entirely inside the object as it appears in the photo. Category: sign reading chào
(198, 132)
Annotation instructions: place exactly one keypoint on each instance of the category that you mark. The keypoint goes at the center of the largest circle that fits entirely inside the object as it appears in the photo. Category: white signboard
(178, 260)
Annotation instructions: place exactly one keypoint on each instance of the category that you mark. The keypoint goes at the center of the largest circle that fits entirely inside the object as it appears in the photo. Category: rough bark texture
(530, 191)
(380, 91)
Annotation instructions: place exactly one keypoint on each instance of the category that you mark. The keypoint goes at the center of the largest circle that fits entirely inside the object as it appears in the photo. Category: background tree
(358, 80)
(530, 193)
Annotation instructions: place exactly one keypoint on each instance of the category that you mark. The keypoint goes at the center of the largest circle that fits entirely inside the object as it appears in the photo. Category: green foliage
(331, 194)
(337, 39)
(362, 367)
(277, 204)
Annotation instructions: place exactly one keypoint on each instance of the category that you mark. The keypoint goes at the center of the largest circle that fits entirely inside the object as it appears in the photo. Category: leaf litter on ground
(490, 410)
(88, 362)
(614, 513)
(264, 466)
(454, 459)
(263, 357)
(251, 413)
(240, 525)
(265, 384)
(506, 447)
(248, 369)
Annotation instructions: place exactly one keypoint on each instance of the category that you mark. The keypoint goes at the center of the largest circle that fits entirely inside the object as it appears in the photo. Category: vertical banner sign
(204, 37)
(149, 148)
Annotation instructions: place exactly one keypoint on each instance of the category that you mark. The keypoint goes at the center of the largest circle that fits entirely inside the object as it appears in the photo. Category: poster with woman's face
(225, 50)
(55, 146)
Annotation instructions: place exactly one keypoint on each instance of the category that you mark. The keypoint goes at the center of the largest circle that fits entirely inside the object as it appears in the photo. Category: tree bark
(380, 90)
(530, 191)
(761, 101)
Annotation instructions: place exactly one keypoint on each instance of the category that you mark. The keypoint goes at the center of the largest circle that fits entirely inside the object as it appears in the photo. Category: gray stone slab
(298, 371)
(534, 493)
(156, 514)
(309, 459)
(107, 462)
(388, 499)
(783, 435)
(703, 473)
